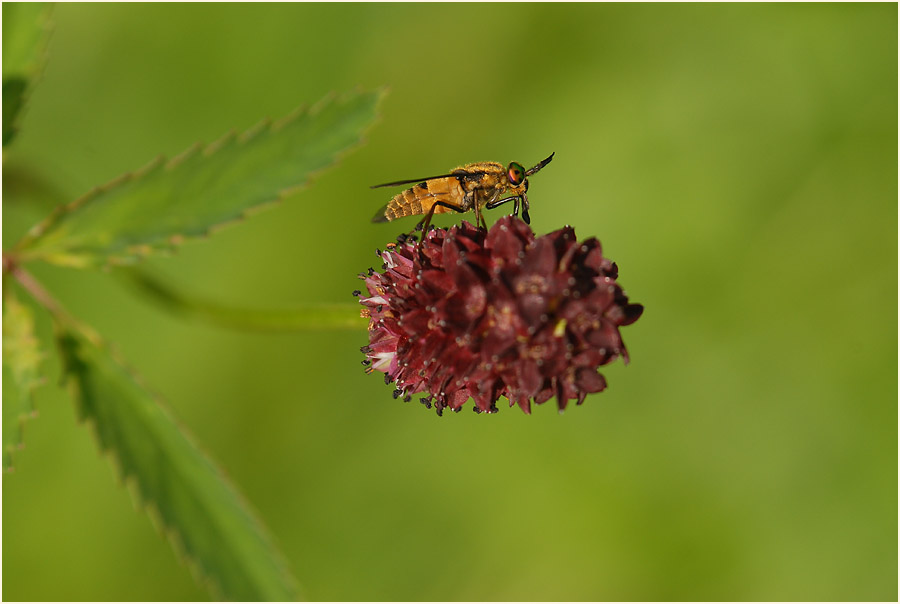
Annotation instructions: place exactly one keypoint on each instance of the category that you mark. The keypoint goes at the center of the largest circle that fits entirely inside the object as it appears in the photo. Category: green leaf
(26, 29)
(21, 373)
(156, 208)
(199, 509)
(318, 317)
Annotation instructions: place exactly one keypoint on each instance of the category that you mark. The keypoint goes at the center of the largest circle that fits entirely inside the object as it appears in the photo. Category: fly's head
(517, 181)
(517, 177)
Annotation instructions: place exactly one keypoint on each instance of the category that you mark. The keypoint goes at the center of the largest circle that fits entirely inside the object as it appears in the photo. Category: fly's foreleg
(499, 202)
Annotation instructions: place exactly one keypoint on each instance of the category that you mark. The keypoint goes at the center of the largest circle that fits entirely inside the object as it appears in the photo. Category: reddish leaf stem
(35, 289)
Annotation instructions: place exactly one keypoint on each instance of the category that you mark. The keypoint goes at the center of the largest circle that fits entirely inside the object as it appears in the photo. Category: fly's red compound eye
(515, 173)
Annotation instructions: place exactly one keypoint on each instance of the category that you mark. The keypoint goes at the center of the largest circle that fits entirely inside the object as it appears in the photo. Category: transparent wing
(426, 179)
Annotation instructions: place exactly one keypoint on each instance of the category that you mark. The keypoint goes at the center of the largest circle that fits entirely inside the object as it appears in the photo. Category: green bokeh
(739, 162)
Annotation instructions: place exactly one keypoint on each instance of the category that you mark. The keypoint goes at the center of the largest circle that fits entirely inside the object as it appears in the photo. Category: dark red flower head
(483, 314)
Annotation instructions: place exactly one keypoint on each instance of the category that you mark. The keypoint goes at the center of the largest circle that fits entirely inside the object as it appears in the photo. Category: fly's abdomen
(420, 198)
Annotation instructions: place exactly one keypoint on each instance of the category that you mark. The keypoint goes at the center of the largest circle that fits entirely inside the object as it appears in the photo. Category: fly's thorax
(490, 167)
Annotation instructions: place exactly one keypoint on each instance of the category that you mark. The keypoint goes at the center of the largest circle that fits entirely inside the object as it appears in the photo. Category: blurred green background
(739, 162)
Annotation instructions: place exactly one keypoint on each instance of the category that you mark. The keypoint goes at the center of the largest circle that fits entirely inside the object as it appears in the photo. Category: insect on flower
(477, 187)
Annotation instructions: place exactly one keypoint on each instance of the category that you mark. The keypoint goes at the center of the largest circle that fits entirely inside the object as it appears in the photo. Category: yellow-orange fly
(477, 187)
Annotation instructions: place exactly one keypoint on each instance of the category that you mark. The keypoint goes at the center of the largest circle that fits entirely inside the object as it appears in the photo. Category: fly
(478, 186)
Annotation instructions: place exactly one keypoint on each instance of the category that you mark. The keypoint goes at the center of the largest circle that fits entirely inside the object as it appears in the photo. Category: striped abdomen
(417, 200)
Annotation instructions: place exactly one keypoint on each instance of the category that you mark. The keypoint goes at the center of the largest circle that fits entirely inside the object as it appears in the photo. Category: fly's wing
(380, 215)
(421, 180)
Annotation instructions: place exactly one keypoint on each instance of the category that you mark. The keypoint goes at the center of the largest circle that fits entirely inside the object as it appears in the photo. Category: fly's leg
(427, 220)
(471, 201)
(493, 204)
(499, 202)
(488, 205)
(479, 218)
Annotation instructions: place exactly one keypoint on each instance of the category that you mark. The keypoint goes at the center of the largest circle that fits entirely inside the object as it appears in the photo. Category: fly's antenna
(531, 171)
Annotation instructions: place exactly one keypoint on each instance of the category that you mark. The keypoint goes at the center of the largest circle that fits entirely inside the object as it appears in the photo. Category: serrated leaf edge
(129, 480)
(12, 450)
(31, 413)
(133, 254)
(35, 77)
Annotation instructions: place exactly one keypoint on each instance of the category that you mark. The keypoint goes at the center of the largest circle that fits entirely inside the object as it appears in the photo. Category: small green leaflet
(21, 373)
(202, 513)
(156, 208)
